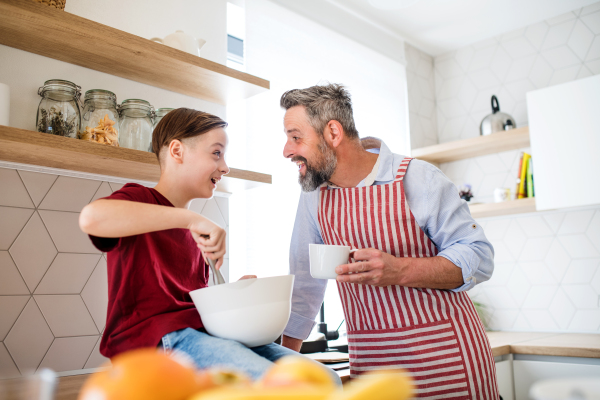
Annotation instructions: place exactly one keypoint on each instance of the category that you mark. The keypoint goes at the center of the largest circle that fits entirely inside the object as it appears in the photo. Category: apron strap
(402, 169)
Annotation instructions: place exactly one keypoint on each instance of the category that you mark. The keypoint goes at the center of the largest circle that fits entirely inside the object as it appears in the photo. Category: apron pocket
(429, 352)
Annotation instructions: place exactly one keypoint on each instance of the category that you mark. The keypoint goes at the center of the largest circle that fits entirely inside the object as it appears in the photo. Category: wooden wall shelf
(53, 33)
(474, 147)
(35, 148)
(505, 208)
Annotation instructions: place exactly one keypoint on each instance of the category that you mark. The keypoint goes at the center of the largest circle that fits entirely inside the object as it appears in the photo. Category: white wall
(547, 273)
(557, 50)
(421, 98)
(294, 52)
(204, 19)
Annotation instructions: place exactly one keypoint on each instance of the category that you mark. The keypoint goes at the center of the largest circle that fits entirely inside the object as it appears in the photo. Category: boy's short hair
(183, 123)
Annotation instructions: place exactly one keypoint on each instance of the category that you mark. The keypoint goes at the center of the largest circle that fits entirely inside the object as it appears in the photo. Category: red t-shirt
(149, 280)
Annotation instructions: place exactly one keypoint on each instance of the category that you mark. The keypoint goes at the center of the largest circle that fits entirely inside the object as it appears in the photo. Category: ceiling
(434, 26)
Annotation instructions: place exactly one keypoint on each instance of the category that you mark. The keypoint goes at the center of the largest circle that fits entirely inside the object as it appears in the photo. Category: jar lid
(137, 104)
(100, 94)
(60, 85)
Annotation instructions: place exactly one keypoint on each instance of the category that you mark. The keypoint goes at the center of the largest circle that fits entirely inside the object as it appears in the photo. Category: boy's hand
(210, 238)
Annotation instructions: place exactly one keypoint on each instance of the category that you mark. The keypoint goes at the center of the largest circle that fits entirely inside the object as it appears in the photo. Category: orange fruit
(296, 371)
(145, 374)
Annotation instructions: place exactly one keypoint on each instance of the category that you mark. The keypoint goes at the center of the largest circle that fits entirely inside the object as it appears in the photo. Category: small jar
(58, 112)
(137, 121)
(100, 120)
(160, 113)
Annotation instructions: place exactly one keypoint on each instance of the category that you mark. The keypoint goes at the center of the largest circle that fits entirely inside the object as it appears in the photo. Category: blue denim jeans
(209, 351)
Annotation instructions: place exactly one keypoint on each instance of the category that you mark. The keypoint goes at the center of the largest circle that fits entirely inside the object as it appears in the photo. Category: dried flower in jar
(104, 133)
(54, 122)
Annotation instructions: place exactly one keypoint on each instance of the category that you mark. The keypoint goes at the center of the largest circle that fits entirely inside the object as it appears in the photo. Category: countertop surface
(545, 344)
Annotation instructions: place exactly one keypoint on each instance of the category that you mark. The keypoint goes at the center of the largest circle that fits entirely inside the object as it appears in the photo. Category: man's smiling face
(316, 160)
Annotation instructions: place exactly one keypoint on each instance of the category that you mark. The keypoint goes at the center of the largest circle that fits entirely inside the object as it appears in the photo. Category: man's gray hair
(323, 104)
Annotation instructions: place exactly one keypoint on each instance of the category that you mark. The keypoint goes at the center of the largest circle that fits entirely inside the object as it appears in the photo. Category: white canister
(4, 103)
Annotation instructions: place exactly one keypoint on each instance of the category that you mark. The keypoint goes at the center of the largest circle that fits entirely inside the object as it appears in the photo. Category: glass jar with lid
(160, 113)
(100, 119)
(58, 112)
(136, 123)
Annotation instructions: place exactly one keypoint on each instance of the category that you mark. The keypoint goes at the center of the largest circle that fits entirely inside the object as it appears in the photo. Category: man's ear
(334, 133)
(176, 151)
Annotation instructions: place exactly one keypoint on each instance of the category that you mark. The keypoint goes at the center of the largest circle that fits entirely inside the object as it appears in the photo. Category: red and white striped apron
(434, 334)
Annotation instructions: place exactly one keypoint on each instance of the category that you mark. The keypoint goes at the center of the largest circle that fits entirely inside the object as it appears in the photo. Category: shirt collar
(382, 170)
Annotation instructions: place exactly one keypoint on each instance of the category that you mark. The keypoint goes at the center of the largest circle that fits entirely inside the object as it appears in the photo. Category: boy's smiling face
(204, 162)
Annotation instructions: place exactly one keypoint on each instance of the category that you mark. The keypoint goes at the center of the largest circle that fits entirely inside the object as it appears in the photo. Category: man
(403, 292)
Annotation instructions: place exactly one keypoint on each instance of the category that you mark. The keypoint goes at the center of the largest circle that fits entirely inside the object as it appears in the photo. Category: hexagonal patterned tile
(585, 321)
(536, 33)
(576, 222)
(501, 319)
(482, 57)
(197, 205)
(557, 260)
(592, 21)
(539, 297)
(534, 226)
(536, 248)
(12, 221)
(518, 286)
(11, 282)
(68, 354)
(8, 369)
(10, 309)
(515, 239)
(212, 212)
(558, 34)
(68, 274)
(29, 338)
(540, 319)
(95, 294)
(13, 192)
(561, 309)
(103, 191)
(33, 251)
(518, 48)
(116, 186)
(37, 184)
(582, 296)
(69, 194)
(537, 273)
(64, 229)
(580, 40)
(578, 246)
(67, 315)
(554, 220)
(581, 271)
(96, 359)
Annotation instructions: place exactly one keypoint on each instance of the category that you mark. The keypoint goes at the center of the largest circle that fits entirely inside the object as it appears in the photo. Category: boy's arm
(120, 218)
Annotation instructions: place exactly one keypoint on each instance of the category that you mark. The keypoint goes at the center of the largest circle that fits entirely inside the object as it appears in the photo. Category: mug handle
(158, 40)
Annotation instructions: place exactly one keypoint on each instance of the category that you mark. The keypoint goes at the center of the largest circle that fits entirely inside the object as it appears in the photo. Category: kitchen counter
(545, 344)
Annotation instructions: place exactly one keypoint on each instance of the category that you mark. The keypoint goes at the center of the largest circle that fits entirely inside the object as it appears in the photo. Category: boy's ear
(176, 151)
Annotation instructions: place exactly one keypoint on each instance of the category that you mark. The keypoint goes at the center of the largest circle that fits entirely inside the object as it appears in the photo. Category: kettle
(496, 121)
(182, 41)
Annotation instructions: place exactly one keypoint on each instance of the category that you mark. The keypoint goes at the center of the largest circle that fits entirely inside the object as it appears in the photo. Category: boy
(155, 249)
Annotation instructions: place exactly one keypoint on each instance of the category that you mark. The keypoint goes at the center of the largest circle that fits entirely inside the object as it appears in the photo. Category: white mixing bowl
(253, 312)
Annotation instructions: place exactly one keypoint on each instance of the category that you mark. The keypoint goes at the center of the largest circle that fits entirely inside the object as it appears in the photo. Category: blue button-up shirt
(437, 208)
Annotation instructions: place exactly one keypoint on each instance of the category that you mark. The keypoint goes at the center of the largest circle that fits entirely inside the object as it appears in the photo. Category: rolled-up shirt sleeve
(308, 292)
(447, 221)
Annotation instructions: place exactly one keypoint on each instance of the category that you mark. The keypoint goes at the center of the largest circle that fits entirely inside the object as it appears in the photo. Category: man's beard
(321, 171)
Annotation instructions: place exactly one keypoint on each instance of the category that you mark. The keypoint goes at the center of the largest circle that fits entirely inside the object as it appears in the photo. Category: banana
(381, 385)
(298, 393)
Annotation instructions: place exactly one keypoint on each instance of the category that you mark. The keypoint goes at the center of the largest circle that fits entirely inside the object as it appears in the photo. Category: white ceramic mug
(325, 258)
(501, 194)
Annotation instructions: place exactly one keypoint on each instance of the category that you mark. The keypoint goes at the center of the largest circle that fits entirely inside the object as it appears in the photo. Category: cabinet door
(527, 372)
(565, 142)
(504, 377)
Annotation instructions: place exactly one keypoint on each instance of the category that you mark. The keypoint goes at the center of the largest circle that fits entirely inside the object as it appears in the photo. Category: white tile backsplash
(45, 253)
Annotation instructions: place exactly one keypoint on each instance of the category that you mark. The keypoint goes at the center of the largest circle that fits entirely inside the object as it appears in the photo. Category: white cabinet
(504, 378)
(530, 369)
(564, 127)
